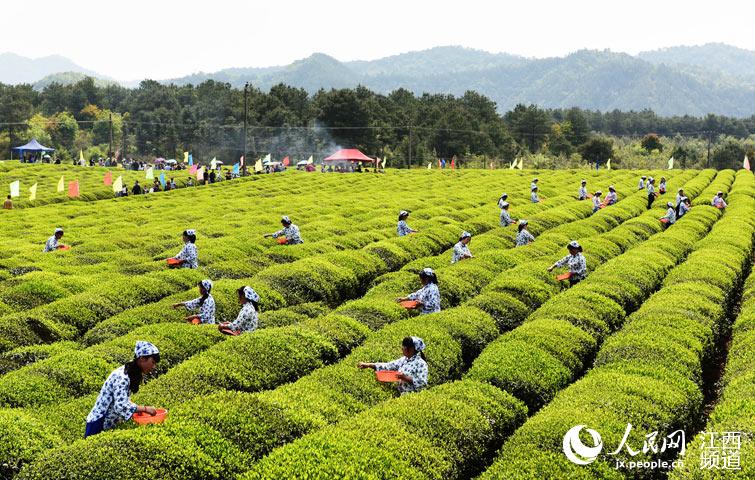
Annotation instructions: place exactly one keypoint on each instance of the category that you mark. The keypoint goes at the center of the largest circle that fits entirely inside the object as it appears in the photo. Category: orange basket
(409, 304)
(603, 205)
(563, 276)
(282, 240)
(173, 262)
(143, 418)
(589, 196)
(195, 320)
(386, 376)
(64, 247)
(228, 331)
(663, 220)
(720, 207)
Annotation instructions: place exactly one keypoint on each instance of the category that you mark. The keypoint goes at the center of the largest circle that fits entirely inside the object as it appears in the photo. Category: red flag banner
(193, 170)
(453, 163)
(108, 180)
(73, 189)
(286, 161)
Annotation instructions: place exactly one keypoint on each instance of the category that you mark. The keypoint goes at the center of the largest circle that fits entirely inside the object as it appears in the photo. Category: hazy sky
(168, 38)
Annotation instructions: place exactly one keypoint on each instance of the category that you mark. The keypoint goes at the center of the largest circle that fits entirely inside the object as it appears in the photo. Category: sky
(166, 38)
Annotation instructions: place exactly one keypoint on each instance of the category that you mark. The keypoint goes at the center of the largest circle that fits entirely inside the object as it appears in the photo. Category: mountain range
(694, 80)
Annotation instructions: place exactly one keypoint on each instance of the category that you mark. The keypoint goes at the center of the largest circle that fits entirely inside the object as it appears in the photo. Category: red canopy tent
(349, 155)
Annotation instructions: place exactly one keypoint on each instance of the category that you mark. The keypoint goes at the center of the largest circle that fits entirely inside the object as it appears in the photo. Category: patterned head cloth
(206, 284)
(574, 244)
(584, 182)
(58, 230)
(428, 271)
(419, 344)
(504, 195)
(720, 193)
(535, 180)
(465, 234)
(643, 177)
(669, 204)
(191, 232)
(285, 219)
(403, 213)
(611, 188)
(505, 204)
(145, 349)
(680, 190)
(250, 294)
(598, 193)
(523, 222)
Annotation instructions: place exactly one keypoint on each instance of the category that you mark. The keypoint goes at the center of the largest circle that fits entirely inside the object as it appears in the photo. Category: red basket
(173, 262)
(143, 418)
(195, 320)
(64, 247)
(720, 207)
(282, 240)
(386, 376)
(563, 276)
(409, 304)
(663, 220)
(228, 331)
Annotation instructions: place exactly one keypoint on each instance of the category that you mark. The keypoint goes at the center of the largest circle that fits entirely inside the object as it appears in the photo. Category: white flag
(118, 184)
(214, 163)
(150, 173)
(430, 166)
(521, 164)
(15, 188)
(608, 164)
(268, 158)
(671, 163)
(310, 160)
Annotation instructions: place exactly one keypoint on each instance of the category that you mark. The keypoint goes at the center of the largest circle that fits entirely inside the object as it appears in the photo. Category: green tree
(578, 131)
(651, 142)
(63, 129)
(597, 150)
(530, 126)
(728, 154)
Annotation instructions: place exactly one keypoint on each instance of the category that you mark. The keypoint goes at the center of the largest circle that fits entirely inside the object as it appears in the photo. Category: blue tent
(33, 146)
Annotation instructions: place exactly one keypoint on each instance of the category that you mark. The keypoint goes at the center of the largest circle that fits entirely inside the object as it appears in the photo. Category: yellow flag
(118, 184)
(513, 165)
(186, 157)
(430, 166)
(81, 156)
(15, 188)
(310, 160)
(671, 163)
(385, 159)
(608, 164)
(258, 165)
(150, 173)
(33, 192)
(521, 164)
(61, 184)
(214, 163)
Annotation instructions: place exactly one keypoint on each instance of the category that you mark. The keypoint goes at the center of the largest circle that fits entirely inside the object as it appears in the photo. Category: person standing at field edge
(411, 367)
(582, 194)
(289, 230)
(718, 201)
(651, 192)
(188, 257)
(428, 297)
(247, 319)
(523, 236)
(8, 204)
(402, 228)
(461, 249)
(575, 261)
(52, 242)
(205, 303)
(113, 404)
(533, 185)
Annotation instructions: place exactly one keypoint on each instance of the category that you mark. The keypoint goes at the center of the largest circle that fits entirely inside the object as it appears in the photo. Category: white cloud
(169, 38)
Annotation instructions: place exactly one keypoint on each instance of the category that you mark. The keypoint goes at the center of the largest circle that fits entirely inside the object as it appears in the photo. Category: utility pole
(410, 147)
(110, 154)
(123, 141)
(709, 139)
(246, 95)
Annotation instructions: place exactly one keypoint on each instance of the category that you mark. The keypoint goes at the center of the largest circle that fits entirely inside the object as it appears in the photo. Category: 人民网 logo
(578, 452)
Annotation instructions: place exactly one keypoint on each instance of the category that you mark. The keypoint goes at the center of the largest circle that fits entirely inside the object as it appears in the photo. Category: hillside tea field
(515, 358)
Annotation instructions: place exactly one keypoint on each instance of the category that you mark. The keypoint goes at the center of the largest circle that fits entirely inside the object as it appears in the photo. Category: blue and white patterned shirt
(718, 202)
(534, 198)
(460, 250)
(113, 402)
(523, 238)
(414, 367)
(505, 218)
(403, 228)
(582, 193)
(429, 295)
(291, 233)
(596, 201)
(670, 215)
(206, 309)
(611, 198)
(51, 244)
(190, 254)
(683, 208)
(247, 319)
(577, 265)
(651, 189)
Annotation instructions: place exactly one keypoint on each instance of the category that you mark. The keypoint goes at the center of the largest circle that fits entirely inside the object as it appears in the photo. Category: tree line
(208, 119)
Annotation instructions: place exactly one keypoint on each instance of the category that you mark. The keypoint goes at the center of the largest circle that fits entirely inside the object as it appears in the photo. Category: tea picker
(288, 235)
(409, 371)
(461, 249)
(427, 298)
(523, 237)
(576, 263)
(188, 257)
(506, 219)
(247, 319)
(53, 243)
(402, 228)
(205, 303)
(718, 201)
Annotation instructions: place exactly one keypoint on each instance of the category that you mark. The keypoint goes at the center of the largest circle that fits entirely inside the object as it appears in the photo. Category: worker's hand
(398, 300)
(267, 235)
(177, 305)
(363, 365)
(550, 269)
(149, 410)
(404, 378)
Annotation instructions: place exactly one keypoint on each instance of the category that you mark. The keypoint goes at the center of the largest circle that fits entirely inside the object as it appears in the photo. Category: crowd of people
(410, 371)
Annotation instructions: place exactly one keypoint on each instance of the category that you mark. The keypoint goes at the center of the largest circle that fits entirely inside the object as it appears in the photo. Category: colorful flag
(193, 170)
(430, 166)
(671, 163)
(236, 168)
(162, 179)
(608, 164)
(61, 184)
(267, 158)
(439, 164)
(191, 160)
(150, 174)
(453, 163)
(311, 160)
(186, 157)
(286, 161)
(118, 184)
(241, 161)
(33, 192)
(258, 166)
(200, 174)
(521, 164)
(108, 180)
(15, 188)
(746, 163)
(81, 156)
(73, 189)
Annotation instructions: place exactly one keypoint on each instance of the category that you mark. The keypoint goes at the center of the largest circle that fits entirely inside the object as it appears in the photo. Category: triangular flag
(108, 180)
(15, 188)
(258, 165)
(608, 164)
(81, 156)
(286, 161)
(73, 189)
(193, 170)
(746, 163)
(241, 161)
(453, 163)
(236, 168)
(385, 159)
(191, 160)
(439, 165)
(186, 157)
(118, 184)
(61, 184)
(200, 173)
(150, 174)
(213, 163)
(513, 165)
(267, 158)
(671, 163)
(430, 166)
(33, 192)
(310, 160)
(521, 164)
(162, 179)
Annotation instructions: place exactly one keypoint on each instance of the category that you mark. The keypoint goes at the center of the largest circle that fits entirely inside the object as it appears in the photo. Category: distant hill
(732, 61)
(68, 78)
(17, 69)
